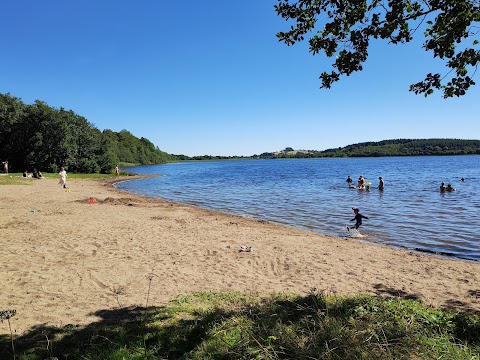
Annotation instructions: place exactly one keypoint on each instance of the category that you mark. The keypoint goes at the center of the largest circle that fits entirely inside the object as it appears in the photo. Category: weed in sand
(7, 315)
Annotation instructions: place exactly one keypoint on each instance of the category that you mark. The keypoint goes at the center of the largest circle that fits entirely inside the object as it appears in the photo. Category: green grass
(87, 176)
(17, 179)
(244, 326)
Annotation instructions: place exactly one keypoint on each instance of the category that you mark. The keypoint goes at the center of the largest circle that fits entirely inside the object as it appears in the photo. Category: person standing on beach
(117, 170)
(63, 177)
(358, 219)
(5, 167)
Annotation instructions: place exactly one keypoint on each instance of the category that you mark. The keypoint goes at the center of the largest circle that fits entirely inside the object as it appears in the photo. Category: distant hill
(397, 147)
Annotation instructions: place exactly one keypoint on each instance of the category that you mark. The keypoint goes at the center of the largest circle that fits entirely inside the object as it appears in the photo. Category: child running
(63, 177)
(358, 218)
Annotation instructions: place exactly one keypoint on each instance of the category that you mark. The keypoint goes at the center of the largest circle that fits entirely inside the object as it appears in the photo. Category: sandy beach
(64, 258)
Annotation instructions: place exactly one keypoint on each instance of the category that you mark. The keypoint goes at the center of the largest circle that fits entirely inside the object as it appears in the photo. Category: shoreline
(441, 254)
(66, 259)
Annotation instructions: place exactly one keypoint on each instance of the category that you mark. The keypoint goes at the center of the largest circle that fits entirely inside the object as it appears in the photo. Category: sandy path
(69, 258)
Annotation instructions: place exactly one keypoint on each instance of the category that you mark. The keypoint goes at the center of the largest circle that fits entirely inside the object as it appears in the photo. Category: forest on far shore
(397, 147)
(38, 136)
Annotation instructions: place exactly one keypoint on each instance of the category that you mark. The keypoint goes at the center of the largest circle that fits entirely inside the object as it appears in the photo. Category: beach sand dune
(67, 255)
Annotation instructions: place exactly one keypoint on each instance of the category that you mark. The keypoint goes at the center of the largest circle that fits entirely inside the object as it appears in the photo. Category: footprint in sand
(474, 293)
(97, 282)
(273, 267)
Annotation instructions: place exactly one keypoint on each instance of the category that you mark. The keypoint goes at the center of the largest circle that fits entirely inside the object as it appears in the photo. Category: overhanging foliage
(345, 28)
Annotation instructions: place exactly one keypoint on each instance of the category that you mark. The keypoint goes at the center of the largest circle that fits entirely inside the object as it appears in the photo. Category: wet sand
(69, 258)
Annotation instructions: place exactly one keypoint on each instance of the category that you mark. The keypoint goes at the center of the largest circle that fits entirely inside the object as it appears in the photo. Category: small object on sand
(34, 210)
(245, 248)
(91, 202)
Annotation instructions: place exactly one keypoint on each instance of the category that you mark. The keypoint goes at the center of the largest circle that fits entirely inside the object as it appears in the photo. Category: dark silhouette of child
(358, 219)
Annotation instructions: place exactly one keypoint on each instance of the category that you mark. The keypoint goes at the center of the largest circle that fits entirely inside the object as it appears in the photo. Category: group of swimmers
(449, 187)
(363, 184)
(444, 188)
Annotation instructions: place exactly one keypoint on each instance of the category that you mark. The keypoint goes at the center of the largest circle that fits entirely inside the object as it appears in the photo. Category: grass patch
(18, 179)
(86, 176)
(15, 179)
(244, 326)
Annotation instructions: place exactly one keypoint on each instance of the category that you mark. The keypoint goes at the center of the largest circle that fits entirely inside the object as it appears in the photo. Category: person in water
(360, 182)
(349, 180)
(381, 184)
(449, 188)
(358, 219)
(442, 187)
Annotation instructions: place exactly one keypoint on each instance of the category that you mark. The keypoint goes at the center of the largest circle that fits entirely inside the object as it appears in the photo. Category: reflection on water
(313, 194)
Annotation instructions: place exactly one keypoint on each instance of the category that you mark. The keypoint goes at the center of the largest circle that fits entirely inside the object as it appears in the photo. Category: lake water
(312, 194)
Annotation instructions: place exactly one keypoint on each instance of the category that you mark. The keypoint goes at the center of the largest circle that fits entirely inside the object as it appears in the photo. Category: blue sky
(210, 77)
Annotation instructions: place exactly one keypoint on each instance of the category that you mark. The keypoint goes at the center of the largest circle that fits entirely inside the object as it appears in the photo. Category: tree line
(38, 136)
(396, 147)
